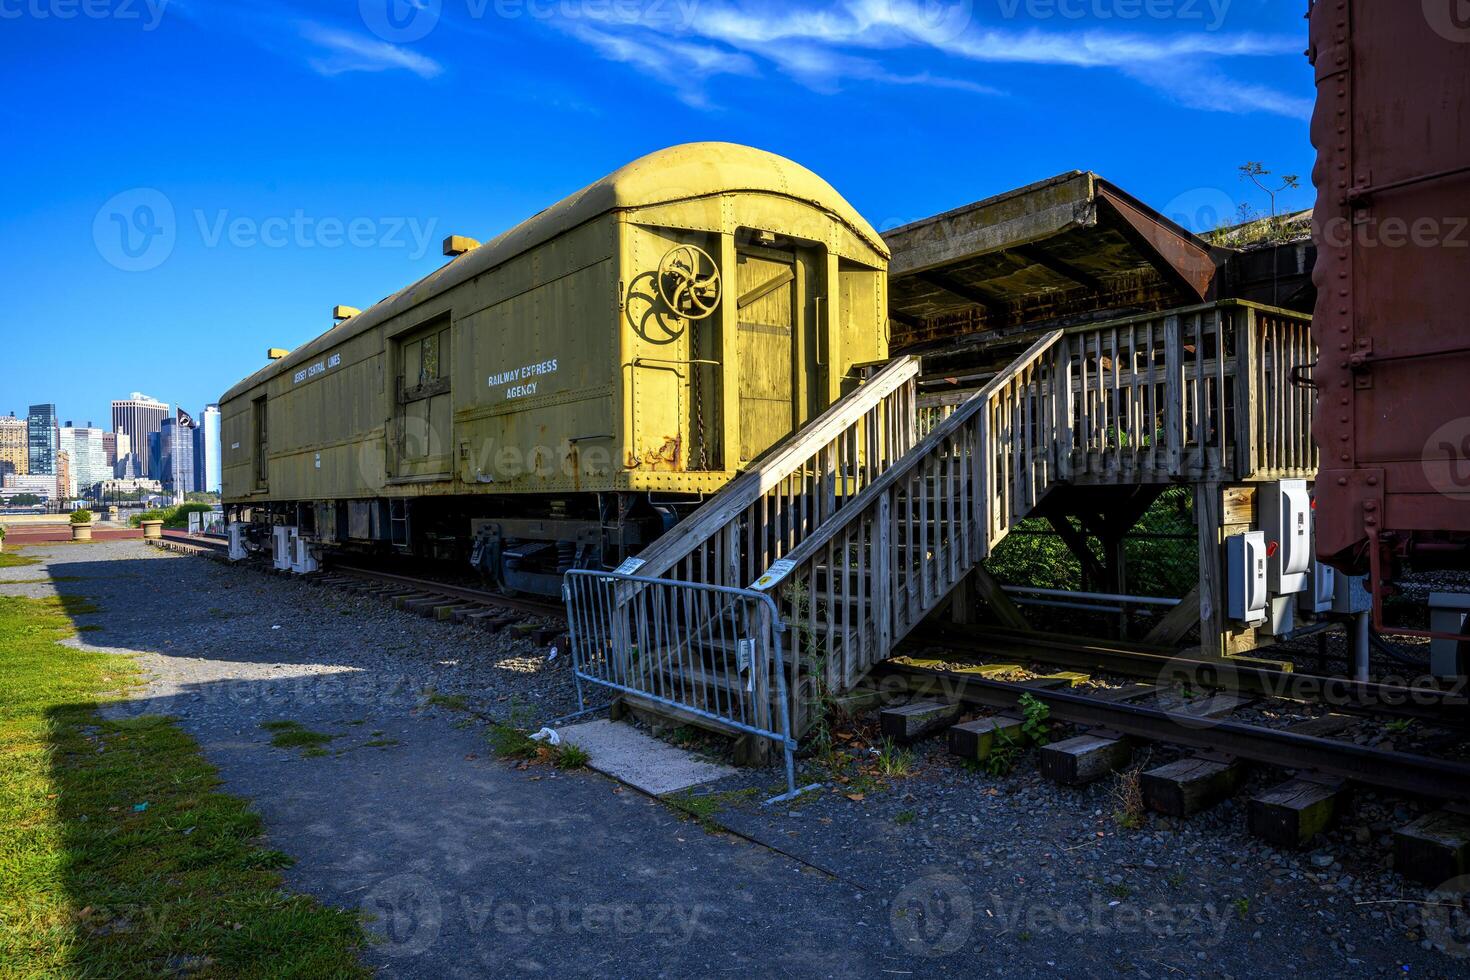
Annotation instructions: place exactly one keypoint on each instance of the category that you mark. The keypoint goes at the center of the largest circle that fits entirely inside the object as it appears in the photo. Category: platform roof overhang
(1072, 247)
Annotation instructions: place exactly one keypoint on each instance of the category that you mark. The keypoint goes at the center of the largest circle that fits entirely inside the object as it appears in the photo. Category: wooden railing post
(1247, 394)
(883, 591)
(1061, 386)
(1174, 394)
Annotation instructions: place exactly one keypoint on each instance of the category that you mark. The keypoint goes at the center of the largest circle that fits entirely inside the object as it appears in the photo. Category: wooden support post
(1177, 623)
(909, 722)
(1185, 787)
(1000, 603)
(1433, 849)
(1076, 542)
(974, 740)
(1292, 813)
(1083, 759)
(1211, 571)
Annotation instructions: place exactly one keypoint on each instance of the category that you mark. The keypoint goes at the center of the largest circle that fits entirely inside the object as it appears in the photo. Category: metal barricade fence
(662, 641)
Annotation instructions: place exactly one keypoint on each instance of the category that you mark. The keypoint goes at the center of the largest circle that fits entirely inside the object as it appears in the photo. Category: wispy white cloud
(345, 52)
(818, 47)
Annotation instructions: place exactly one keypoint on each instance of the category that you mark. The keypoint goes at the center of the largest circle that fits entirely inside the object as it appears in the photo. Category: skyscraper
(176, 455)
(137, 416)
(84, 448)
(41, 440)
(207, 458)
(14, 446)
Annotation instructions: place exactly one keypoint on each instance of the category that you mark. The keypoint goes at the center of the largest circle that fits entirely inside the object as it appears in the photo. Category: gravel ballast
(468, 865)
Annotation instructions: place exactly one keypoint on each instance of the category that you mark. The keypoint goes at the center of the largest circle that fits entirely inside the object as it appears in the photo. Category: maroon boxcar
(1392, 131)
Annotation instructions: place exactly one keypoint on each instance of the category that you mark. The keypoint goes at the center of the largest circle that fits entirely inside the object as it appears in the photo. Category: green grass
(12, 560)
(509, 742)
(454, 702)
(571, 756)
(291, 735)
(119, 857)
(895, 761)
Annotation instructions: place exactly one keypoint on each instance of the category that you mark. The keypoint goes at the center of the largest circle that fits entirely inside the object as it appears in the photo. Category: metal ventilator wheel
(689, 282)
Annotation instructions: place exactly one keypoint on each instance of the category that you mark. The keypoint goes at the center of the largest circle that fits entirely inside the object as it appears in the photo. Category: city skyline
(264, 225)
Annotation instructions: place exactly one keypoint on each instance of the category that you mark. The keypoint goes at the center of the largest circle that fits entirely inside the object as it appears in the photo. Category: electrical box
(1280, 616)
(1321, 588)
(303, 562)
(1285, 510)
(1447, 612)
(237, 542)
(1350, 595)
(1245, 577)
(281, 548)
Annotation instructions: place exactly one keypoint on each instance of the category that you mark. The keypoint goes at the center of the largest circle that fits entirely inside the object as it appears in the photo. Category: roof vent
(340, 313)
(456, 245)
(276, 353)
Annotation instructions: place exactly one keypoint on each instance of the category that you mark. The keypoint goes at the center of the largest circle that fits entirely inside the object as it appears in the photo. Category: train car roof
(684, 172)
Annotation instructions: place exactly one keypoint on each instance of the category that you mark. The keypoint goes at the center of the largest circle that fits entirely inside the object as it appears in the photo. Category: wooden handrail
(961, 415)
(714, 514)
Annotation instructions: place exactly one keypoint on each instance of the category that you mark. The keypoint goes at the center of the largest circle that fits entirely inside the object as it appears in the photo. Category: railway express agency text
(523, 381)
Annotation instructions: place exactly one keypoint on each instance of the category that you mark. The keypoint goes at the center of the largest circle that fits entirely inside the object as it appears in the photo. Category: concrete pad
(642, 761)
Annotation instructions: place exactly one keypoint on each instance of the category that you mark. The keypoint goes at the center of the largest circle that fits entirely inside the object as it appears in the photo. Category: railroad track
(1209, 719)
(448, 601)
(438, 600)
(1428, 702)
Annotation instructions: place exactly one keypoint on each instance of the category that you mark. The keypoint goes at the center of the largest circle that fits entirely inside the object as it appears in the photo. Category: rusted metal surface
(1393, 232)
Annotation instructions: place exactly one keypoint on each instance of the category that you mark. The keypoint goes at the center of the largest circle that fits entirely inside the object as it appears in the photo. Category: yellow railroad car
(559, 396)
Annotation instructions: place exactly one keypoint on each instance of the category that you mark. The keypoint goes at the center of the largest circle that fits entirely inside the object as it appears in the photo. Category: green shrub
(174, 518)
(81, 517)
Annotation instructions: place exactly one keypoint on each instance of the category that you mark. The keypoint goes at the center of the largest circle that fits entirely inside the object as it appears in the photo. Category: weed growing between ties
(1006, 749)
(118, 854)
(1128, 809)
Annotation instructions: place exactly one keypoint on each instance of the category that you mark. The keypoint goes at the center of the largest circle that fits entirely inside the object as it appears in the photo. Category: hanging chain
(695, 378)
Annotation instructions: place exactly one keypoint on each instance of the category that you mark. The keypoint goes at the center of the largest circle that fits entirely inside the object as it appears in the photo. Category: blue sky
(187, 183)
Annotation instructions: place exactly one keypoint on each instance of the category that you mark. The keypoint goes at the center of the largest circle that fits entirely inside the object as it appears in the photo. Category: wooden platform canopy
(1067, 250)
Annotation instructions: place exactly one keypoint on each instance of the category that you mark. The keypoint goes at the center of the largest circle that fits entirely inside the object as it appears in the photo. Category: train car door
(424, 409)
(770, 349)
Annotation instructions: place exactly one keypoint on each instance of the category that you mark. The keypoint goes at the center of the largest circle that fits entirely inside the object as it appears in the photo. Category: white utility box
(237, 542)
(1321, 587)
(1280, 616)
(303, 562)
(1447, 612)
(1285, 511)
(281, 547)
(1245, 577)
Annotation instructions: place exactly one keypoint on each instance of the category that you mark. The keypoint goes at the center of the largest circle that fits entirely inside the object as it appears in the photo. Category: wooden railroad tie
(1085, 758)
(912, 721)
(1291, 813)
(975, 740)
(1434, 849)
(1185, 787)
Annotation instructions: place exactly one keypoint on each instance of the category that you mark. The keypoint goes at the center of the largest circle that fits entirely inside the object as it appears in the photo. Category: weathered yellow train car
(558, 395)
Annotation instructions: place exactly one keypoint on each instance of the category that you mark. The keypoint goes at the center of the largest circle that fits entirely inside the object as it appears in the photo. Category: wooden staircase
(866, 520)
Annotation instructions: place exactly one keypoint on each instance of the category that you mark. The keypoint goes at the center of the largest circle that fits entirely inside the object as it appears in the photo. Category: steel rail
(1397, 771)
(1438, 706)
(454, 592)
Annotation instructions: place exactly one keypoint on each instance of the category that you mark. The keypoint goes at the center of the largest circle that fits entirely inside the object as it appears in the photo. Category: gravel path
(473, 867)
